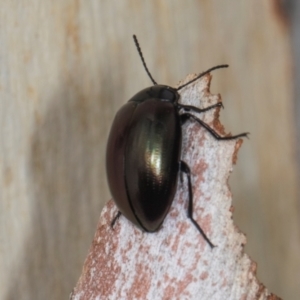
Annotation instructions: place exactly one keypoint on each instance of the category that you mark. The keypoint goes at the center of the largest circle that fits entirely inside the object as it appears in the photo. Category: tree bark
(176, 262)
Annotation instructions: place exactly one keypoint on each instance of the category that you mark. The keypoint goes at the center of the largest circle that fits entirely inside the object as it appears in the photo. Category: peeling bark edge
(175, 262)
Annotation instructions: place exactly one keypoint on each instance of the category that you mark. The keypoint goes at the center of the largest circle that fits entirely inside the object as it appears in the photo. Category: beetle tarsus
(187, 116)
(114, 220)
(185, 169)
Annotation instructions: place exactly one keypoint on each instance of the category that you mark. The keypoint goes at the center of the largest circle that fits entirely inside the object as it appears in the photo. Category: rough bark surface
(176, 262)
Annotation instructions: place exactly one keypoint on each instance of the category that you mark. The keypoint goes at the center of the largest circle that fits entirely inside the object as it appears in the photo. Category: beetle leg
(199, 110)
(179, 168)
(187, 116)
(185, 169)
(114, 220)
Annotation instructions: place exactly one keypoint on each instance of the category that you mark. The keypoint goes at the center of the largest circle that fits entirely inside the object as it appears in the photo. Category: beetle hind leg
(185, 169)
(114, 220)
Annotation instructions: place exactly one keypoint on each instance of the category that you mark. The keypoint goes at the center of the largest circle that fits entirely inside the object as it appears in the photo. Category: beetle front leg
(185, 169)
(114, 220)
(184, 117)
(199, 110)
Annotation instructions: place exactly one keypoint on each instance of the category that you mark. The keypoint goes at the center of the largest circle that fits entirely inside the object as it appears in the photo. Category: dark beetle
(143, 153)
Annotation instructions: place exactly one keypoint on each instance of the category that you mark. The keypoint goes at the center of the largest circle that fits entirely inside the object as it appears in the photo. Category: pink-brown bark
(176, 262)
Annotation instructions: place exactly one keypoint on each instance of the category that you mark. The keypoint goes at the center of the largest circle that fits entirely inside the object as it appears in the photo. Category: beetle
(143, 156)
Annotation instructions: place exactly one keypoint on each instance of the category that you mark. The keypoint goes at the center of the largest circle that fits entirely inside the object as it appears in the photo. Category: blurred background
(67, 66)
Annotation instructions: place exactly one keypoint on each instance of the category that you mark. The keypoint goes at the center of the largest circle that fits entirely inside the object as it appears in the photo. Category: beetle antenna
(202, 74)
(142, 58)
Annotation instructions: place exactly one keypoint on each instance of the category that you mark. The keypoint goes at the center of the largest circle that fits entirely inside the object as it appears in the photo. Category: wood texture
(66, 67)
(176, 262)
